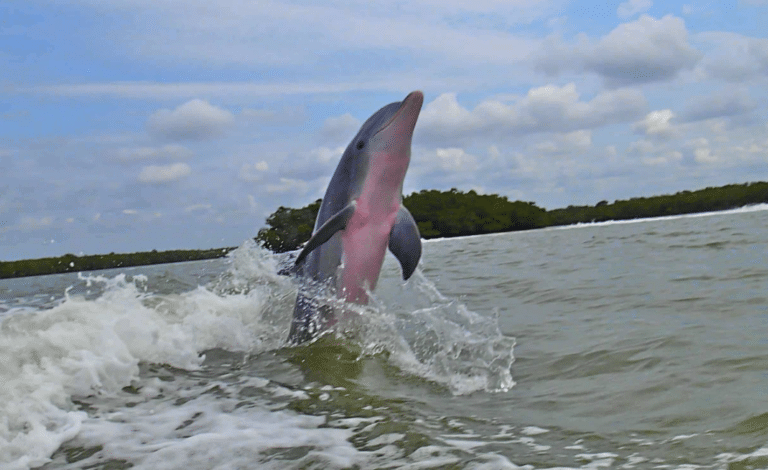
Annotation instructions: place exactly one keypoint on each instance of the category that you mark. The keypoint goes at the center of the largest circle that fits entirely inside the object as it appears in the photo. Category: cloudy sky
(137, 124)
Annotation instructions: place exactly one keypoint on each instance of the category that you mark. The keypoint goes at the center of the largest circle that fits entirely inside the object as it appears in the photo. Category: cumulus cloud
(730, 103)
(156, 174)
(193, 120)
(455, 159)
(545, 109)
(657, 124)
(565, 143)
(578, 139)
(735, 58)
(633, 7)
(165, 152)
(641, 51)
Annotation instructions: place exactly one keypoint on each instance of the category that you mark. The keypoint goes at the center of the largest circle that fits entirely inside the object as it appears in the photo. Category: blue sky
(132, 125)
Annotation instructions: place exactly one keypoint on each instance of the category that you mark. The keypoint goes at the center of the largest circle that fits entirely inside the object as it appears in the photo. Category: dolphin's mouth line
(397, 114)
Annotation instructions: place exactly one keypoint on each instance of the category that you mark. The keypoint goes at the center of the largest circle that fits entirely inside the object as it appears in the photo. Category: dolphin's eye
(360, 145)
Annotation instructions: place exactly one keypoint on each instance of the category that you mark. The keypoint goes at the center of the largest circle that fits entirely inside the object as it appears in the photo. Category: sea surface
(639, 344)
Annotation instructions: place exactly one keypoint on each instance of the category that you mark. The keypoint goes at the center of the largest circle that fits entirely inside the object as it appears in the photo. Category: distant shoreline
(439, 214)
(70, 263)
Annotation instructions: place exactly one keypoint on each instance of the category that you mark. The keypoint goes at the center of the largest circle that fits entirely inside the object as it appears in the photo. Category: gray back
(346, 185)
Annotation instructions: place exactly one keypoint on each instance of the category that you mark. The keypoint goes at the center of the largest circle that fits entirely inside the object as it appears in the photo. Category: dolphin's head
(387, 134)
(390, 129)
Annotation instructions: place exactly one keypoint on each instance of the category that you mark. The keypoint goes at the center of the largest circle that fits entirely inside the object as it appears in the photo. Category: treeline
(684, 202)
(72, 263)
(437, 213)
(456, 213)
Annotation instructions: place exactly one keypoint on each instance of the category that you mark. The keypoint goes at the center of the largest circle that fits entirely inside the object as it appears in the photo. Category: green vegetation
(456, 213)
(71, 263)
(684, 202)
(289, 228)
(438, 214)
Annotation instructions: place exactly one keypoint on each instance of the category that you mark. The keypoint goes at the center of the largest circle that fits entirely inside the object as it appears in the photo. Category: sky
(131, 125)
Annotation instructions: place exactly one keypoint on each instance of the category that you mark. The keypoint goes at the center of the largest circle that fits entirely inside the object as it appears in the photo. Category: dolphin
(361, 214)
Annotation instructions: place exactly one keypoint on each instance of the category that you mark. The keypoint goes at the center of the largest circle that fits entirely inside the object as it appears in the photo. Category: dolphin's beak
(397, 133)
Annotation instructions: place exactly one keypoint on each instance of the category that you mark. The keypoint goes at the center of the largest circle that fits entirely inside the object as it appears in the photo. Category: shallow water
(619, 345)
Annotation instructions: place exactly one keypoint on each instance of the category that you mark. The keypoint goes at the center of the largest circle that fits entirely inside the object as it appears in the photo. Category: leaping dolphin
(361, 214)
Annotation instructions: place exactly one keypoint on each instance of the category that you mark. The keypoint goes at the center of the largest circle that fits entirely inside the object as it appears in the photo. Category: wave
(95, 341)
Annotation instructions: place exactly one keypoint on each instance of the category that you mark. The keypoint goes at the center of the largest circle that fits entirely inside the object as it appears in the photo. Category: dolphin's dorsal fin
(405, 242)
(337, 222)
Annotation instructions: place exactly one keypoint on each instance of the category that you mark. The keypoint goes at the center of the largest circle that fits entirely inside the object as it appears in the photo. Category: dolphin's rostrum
(361, 214)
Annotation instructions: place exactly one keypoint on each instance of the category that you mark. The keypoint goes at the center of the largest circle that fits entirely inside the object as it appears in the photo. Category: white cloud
(287, 185)
(702, 151)
(253, 172)
(327, 155)
(130, 211)
(197, 207)
(169, 152)
(735, 58)
(545, 109)
(493, 153)
(455, 160)
(581, 139)
(235, 32)
(729, 103)
(657, 124)
(546, 147)
(164, 173)
(258, 114)
(340, 129)
(704, 155)
(662, 158)
(564, 144)
(633, 7)
(640, 148)
(193, 120)
(641, 51)
(252, 202)
(230, 90)
(32, 223)
(284, 115)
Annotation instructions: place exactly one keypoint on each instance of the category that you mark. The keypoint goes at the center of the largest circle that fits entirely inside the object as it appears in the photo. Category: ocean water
(638, 344)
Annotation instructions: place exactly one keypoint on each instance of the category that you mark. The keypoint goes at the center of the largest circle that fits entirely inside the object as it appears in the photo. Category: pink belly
(364, 243)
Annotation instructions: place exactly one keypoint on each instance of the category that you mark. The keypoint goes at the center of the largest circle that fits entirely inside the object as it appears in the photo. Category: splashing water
(93, 342)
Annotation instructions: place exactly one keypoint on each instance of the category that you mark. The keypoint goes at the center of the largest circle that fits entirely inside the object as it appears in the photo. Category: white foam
(533, 430)
(208, 433)
(85, 347)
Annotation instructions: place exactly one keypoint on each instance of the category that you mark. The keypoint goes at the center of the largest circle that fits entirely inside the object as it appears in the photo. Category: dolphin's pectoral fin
(337, 222)
(405, 242)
